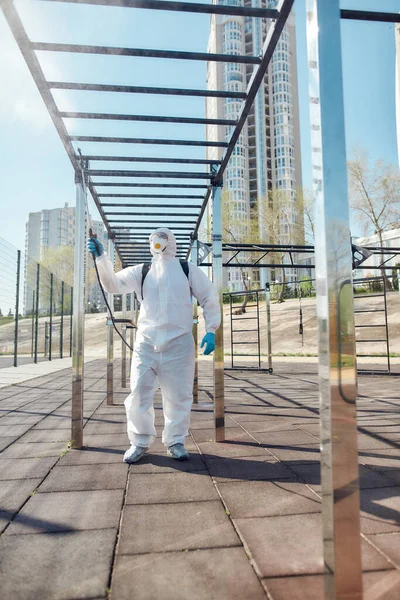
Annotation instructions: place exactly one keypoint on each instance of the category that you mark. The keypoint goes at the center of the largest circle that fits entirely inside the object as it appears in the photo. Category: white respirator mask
(159, 242)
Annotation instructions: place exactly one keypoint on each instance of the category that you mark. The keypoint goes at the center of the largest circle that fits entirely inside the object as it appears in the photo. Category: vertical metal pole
(17, 308)
(335, 311)
(195, 258)
(268, 311)
(62, 320)
(35, 351)
(219, 399)
(386, 324)
(78, 313)
(258, 331)
(33, 320)
(70, 321)
(123, 348)
(231, 319)
(261, 141)
(132, 314)
(110, 338)
(51, 314)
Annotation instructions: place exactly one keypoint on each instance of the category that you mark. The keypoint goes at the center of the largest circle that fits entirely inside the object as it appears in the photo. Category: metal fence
(35, 310)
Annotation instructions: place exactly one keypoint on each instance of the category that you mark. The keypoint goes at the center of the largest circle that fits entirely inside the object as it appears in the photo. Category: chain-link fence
(35, 310)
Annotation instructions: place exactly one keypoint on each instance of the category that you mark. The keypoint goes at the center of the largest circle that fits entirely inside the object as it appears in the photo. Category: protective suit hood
(165, 239)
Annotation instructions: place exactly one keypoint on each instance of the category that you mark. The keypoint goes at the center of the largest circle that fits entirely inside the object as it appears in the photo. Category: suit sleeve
(124, 282)
(206, 293)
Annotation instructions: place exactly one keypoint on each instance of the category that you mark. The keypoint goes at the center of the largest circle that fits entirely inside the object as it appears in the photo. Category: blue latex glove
(209, 341)
(95, 247)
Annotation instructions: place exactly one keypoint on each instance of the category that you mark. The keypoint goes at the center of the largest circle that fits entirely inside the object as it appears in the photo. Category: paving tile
(68, 511)
(56, 566)
(279, 439)
(23, 468)
(91, 456)
(389, 544)
(299, 540)
(85, 477)
(160, 463)
(13, 494)
(306, 453)
(382, 585)
(381, 504)
(231, 449)
(33, 450)
(251, 468)
(310, 473)
(381, 460)
(306, 587)
(105, 428)
(19, 419)
(13, 430)
(46, 435)
(6, 441)
(171, 487)
(158, 447)
(105, 440)
(166, 527)
(223, 573)
(266, 498)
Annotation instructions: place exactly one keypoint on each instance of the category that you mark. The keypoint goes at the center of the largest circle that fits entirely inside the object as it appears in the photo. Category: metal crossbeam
(151, 159)
(155, 174)
(136, 89)
(146, 118)
(144, 53)
(369, 15)
(155, 142)
(149, 185)
(193, 7)
(181, 197)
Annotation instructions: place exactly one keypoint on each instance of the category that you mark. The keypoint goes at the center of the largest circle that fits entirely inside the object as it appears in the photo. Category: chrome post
(17, 308)
(337, 353)
(194, 258)
(268, 311)
(132, 315)
(123, 348)
(78, 313)
(110, 337)
(219, 399)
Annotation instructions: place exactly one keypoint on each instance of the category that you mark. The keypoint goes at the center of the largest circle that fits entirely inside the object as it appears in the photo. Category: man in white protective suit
(164, 345)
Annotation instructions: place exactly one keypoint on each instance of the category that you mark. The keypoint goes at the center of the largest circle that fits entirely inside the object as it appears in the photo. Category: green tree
(374, 189)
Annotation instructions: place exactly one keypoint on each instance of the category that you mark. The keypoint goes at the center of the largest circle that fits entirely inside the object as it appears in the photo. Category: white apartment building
(55, 228)
(267, 156)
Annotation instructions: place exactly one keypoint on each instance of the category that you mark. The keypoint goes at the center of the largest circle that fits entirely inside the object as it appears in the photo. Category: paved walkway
(239, 521)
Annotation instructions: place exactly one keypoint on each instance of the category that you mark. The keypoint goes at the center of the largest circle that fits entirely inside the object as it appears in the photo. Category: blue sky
(35, 172)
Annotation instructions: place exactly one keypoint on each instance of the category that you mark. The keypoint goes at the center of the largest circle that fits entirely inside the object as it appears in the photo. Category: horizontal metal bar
(182, 197)
(150, 141)
(144, 53)
(372, 341)
(148, 220)
(237, 354)
(370, 311)
(137, 89)
(383, 325)
(166, 174)
(151, 159)
(146, 118)
(369, 15)
(145, 205)
(194, 7)
(240, 343)
(145, 214)
(259, 265)
(117, 234)
(364, 296)
(180, 186)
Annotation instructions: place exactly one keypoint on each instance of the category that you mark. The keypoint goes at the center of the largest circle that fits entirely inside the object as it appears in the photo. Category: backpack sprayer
(93, 237)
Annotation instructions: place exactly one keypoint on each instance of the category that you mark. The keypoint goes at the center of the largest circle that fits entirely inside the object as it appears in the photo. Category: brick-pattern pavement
(240, 520)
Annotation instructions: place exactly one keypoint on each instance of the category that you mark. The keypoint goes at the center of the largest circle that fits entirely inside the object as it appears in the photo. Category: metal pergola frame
(336, 327)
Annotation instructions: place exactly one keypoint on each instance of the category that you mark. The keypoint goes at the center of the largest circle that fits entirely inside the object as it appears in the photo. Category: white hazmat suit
(164, 345)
